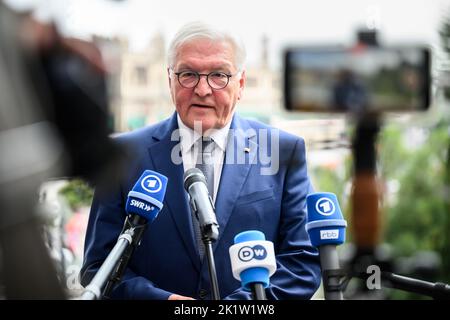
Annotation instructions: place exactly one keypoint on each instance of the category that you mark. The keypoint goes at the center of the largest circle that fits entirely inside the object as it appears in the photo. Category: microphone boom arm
(438, 290)
(115, 264)
(342, 276)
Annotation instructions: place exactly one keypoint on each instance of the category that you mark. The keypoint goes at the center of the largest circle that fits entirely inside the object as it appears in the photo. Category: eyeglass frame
(203, 74)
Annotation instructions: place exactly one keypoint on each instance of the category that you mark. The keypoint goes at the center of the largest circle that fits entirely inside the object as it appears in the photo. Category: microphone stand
(331, 274)
(366, 192)
(209, 234)
(438, 290)
(115, 264)
(258, 291)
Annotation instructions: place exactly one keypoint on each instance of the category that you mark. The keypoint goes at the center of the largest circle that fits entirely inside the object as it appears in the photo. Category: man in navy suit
(259, 181)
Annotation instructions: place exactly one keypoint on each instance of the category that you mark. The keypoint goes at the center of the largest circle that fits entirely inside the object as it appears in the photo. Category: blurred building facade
(140, 96)
(139, 88)
(138, 83)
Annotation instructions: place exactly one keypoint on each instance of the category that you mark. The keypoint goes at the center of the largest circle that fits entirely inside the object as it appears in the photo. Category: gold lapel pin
(247, 150)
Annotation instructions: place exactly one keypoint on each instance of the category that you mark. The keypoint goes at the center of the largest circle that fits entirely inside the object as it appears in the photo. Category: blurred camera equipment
(53, 123)
(364, 81)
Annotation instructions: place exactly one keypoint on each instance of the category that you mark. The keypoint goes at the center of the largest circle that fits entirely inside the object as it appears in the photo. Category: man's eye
(187, 74)
(218, 75)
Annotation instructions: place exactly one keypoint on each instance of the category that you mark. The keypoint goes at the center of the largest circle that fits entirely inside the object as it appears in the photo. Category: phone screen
(360, 79)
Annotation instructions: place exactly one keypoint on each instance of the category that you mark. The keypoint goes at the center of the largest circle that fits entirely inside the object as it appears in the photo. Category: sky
(284, 22)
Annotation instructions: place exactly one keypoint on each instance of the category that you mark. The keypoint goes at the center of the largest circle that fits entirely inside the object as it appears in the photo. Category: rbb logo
(247, 253)
(325, 207)
(151, 183)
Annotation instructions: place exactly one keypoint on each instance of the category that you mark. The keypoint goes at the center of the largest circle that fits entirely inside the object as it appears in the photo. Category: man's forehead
(199, 64)
(207, 44)
(205, 53)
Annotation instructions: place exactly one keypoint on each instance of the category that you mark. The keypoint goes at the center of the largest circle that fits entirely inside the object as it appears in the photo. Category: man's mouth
(201, 105)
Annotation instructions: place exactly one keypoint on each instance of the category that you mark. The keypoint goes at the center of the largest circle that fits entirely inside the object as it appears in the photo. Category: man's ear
(168, 76)
(170, 85)
(242, 81)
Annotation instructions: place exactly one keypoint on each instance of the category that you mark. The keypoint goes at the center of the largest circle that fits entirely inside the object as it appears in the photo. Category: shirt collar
(188, 136)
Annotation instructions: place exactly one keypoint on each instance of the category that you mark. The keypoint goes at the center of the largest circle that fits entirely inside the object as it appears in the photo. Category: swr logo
(140, 205)
(247, 253)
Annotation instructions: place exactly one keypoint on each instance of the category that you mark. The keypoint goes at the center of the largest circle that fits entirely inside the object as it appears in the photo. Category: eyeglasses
(216, 80)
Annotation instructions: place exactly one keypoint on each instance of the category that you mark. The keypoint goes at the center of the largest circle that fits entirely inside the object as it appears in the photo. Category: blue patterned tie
(206, 165)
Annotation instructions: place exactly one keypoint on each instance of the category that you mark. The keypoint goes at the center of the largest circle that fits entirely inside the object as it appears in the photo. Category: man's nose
(203, 89)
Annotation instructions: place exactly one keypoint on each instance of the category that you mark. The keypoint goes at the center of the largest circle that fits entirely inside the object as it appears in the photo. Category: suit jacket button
(202, 294)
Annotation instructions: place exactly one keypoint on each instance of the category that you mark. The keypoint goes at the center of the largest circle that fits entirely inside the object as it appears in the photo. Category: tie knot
(206, 144)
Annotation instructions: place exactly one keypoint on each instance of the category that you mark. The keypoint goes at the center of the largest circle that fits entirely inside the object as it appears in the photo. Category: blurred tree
(334, 180)
(417, 210)
(418, 219)
(328, 180)
(77, 193)
(393, 153)
(444, 34)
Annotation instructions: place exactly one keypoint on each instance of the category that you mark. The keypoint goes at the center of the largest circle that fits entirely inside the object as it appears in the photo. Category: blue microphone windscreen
(250, 235)
(323, 206)
(326, 224)
(146, 197)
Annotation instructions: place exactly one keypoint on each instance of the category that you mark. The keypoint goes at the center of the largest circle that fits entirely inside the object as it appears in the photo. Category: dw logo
(248, 253)
(325, 207)
(151, 183)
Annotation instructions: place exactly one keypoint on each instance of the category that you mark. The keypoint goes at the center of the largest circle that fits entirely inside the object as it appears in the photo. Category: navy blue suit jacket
(166, 261)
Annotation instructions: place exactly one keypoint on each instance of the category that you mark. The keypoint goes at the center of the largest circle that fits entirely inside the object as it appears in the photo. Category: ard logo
(325, 207)
(151, 183)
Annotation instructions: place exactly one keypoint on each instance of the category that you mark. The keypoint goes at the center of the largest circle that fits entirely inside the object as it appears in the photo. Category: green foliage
(77, 193)
(329, 180)
(444, 34)
(334, 180)
(417, 215)
(393, 155)
(419, 218)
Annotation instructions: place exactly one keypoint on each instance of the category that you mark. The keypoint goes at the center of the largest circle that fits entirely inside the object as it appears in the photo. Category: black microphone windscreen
(193, 175)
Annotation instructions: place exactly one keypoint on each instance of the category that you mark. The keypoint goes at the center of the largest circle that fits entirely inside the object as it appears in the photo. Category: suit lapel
(161, 154)
(240, 154)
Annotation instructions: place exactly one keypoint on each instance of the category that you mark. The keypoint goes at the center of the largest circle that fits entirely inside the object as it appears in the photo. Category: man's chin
(201, 126)
(204, 127)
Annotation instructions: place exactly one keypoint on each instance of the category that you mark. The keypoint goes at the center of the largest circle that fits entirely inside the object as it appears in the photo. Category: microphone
(253, 262)
(201, 202)
(146, 197)
(326, 229)
(143, 205)
(203, 208)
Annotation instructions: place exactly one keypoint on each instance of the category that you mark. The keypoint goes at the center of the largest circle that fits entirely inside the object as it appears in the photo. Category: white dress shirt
(189, 151)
